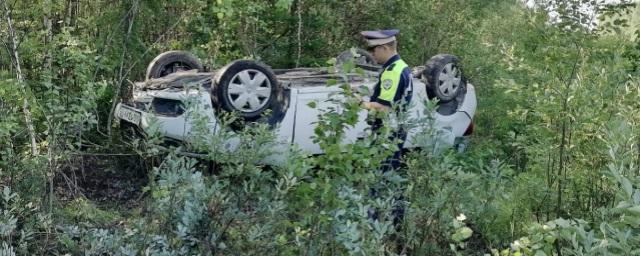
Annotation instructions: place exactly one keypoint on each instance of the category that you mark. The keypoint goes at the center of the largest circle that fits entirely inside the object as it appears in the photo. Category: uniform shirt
(405, 85)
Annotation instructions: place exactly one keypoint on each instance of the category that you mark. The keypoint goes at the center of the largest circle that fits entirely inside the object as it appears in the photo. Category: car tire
(250, 89)
(171, 62)
(443, 77)
(360, 57)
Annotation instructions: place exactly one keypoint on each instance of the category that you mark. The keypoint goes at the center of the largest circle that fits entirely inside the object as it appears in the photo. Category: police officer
(394, 87)
(392, 93)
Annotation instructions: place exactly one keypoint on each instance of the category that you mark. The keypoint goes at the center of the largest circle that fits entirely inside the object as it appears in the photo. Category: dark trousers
(392, 163)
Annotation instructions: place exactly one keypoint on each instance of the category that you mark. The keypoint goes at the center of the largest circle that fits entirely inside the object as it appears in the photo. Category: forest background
(552, 168)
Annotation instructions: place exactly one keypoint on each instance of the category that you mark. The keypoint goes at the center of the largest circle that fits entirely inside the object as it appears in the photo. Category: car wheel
(171, 62)
(358, 56)
(443, 77)
(250, 89)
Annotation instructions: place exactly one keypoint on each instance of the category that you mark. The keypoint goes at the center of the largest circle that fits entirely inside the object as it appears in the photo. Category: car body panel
(298, 124)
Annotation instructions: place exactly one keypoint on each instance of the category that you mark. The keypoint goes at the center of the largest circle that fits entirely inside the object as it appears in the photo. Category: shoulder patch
(386, 84)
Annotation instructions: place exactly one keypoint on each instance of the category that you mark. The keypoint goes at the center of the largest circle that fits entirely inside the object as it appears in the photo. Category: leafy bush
(552, 169)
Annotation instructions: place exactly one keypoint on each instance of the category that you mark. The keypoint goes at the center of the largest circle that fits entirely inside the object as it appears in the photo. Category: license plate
(129, 115)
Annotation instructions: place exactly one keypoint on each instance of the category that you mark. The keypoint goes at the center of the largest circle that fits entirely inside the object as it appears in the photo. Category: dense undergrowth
(552, 168)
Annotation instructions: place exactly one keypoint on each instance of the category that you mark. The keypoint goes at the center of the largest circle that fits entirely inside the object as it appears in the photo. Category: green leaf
(364, 90)
(462, 234)
(348, 66)
(7, 195)
(562, 223)
(635, 209)
(312, 104)
(284, 4)
(626, 185)
(549, 239)
(540, 253)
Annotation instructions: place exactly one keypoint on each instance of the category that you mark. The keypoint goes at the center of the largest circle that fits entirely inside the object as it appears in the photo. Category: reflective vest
(390, 80)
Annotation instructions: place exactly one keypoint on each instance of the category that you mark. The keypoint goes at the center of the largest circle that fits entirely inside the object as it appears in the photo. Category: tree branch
(23, 87)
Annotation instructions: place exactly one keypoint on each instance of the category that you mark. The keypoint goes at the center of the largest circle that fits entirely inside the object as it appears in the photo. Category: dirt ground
(103, 179)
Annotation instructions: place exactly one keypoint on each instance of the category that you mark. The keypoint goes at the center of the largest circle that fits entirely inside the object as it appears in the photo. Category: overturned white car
(253, 90)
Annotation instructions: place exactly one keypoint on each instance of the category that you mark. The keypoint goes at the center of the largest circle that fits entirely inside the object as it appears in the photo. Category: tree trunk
(48, 38)
(131, 15)
(23, 87)
(299, 12)
(565, 132)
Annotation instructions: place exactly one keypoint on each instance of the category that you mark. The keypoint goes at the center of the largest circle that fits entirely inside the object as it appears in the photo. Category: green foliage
(22, 225)
(553, 168)
(612, 229)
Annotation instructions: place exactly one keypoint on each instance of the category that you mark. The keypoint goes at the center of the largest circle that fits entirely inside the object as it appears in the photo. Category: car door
(307, 116)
